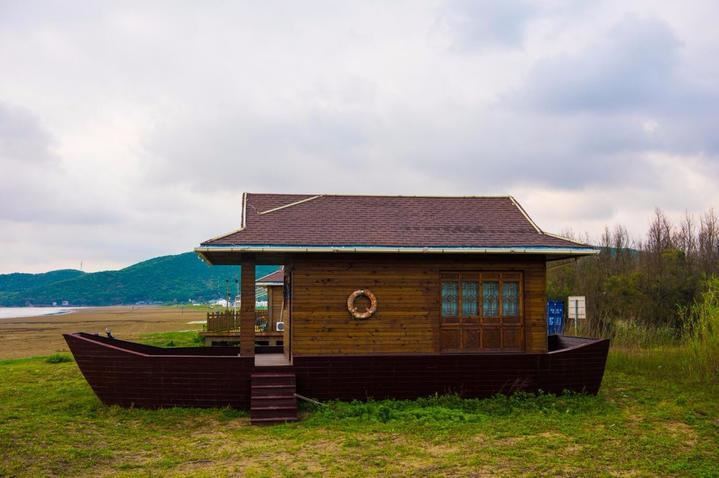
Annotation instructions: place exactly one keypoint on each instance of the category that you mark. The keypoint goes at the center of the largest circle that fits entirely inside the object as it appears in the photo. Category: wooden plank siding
(135, 375)
(274, 305)
(408, 294)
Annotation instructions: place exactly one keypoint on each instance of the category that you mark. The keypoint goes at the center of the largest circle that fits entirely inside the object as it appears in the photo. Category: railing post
(247, 309)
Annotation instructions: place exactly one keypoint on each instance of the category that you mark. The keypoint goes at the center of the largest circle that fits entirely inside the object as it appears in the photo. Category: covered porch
(224, 327)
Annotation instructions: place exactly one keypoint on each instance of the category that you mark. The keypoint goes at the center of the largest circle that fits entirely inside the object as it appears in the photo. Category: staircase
(273, 397)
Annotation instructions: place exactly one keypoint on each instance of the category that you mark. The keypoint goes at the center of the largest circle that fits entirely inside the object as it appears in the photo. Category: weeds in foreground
(449, 410)
(702, 332)
(51, 424)
(59, 358)
(186, 338)
(691, 352)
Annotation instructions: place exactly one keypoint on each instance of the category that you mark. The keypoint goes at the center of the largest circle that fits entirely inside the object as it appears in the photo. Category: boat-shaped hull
(131, 374)
(135, 375)
(573, 363)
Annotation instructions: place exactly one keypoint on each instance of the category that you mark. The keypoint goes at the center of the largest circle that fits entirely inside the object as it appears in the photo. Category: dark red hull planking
(135, 375)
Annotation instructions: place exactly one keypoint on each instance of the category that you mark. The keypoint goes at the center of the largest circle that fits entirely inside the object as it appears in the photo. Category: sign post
(577, 309)
(555, 317)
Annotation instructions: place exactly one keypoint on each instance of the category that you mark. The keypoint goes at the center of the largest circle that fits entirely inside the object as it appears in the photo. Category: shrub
(58, 358)
(631, 335)
(702, 332)
(443, 410)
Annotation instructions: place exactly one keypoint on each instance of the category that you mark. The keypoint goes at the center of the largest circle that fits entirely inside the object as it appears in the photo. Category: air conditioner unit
(280, 326)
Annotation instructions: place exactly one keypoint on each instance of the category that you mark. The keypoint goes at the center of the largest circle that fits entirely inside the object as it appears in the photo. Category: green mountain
(177, 278)
(19, 282)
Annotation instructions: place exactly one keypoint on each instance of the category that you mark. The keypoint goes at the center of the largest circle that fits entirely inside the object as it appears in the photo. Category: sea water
(18, 312)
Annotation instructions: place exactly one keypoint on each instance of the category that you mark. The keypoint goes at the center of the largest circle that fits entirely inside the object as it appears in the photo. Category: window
(490, 298)
(481, 310)
(469, 299)
(472, 296)
(449, 299)
(510, 299)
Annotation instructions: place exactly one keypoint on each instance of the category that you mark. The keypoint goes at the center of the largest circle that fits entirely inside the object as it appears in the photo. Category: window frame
(500, 323)
(479, 278)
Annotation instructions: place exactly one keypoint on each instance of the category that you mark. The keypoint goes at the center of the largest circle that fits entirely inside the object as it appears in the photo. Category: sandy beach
(29, 336)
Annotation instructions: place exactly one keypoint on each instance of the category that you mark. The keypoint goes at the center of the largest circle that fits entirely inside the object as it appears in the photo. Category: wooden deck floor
(271, 360)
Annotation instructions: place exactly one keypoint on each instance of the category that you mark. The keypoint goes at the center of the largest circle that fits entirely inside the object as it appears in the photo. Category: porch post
(247, 309)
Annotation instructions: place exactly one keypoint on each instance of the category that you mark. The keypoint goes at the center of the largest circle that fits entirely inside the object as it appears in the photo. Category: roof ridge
(558, 236)
(290, 204)
(524, 213)
(430, 196)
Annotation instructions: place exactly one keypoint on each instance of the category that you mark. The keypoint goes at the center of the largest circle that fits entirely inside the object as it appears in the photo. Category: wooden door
(481, 311)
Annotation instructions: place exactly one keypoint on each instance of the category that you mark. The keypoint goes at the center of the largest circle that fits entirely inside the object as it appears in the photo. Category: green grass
(185, 338)
(691, 351)
(59, 358)
(702, 330)
(646, 421)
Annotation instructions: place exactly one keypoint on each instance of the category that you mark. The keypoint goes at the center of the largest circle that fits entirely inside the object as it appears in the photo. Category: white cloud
(130, 130)
(650, 126)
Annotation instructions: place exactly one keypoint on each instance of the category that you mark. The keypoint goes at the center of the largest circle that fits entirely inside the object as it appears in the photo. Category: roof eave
(304, 249)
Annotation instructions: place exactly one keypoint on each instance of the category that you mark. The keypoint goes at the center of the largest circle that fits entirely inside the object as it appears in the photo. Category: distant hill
(167, 279)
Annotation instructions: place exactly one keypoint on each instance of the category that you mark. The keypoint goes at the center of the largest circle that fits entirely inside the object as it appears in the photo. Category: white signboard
(576, 307)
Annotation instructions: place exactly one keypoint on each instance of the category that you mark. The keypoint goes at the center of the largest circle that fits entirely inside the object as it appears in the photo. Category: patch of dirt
(29, 336)
(511, 440)
(574, 448)
(441, 449)
(686, 434)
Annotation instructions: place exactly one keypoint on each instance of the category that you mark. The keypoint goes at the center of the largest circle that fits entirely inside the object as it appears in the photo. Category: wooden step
(272, 397)
(273, 390)
(274, 400)
(273, 421)
(273, 379)
(273, 412)
(273, 373)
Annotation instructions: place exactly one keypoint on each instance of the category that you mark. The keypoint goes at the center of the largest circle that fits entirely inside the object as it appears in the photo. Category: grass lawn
(173, 339)
(643, 423)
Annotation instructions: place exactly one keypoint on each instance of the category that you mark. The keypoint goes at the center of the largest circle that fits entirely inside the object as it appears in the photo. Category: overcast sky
(130, 129)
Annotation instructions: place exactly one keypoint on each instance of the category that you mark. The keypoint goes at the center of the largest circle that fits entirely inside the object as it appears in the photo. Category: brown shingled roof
(276, 277)
(387, 221)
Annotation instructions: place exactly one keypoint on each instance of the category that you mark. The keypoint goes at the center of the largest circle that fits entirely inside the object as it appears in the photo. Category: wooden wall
(274, 304)
(345, 377)
(134, 375)
(408, 295)
(535, 307)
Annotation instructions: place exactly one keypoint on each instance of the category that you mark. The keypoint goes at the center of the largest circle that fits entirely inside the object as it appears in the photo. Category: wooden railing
(228, 320)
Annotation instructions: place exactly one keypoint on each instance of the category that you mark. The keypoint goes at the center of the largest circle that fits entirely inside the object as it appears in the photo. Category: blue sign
(555, 317)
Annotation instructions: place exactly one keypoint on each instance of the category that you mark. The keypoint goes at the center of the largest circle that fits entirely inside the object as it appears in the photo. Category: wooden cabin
(382, 297)
(448, 274)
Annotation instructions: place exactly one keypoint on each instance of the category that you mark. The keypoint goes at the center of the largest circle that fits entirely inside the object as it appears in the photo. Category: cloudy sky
(130, 129)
